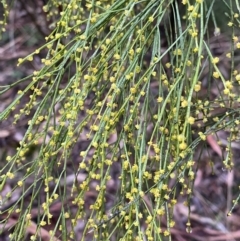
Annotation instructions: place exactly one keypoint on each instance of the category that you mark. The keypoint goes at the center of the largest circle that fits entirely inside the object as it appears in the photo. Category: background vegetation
(119, 120)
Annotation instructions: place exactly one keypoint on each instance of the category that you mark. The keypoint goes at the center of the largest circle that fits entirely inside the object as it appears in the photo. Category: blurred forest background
(215, 187)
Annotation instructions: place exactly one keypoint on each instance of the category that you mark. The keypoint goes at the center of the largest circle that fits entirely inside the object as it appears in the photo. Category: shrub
(127, 85)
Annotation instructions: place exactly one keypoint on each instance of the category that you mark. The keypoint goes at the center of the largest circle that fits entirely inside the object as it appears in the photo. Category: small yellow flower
(20, 61)
(177, 70)
(128, 76)
(183, 146)
(202, 136)
(66, 215)
(166, 197)
(8, 158)
(131, 52)
(217, 32)
(190, 8)
(133, 90)
(184, 103)
(216, 75)
(197, 87)
(238, 77)
(172, 223)
(93, 20)
(33, 238)
(149, 219)
(228, 55)
(151, 19)
(138, 50)
(10, 175)
(191, 120)
(236, 15)
(177, 52)
(18, 210)
(20, 183)
(215, 60)
(226, 91)
(30, 58)
(229, 84)
(161, 211)
(194, 34)
(82, 37)
(43, 223)
(117, 56)
(166, 233)
(195, 50)
(235, 39)
(168, 65)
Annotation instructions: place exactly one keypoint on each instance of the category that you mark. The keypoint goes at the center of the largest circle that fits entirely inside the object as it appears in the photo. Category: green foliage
(126, 77)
